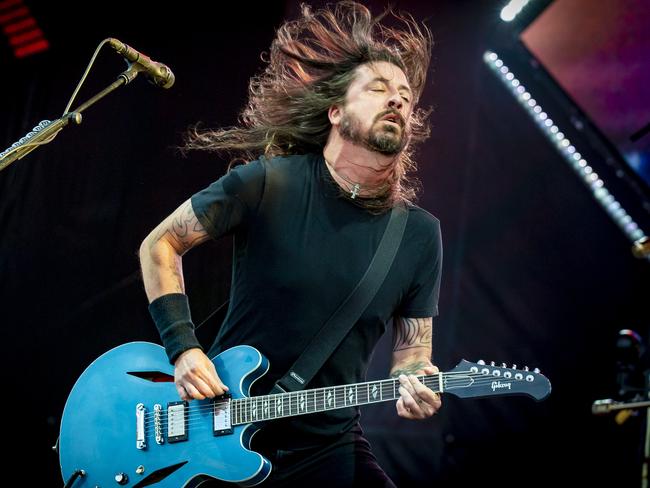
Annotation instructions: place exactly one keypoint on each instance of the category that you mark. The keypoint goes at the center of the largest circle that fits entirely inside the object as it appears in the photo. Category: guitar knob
(481, 362)
(121, 478)
(536, 370)
(504, 365)
(525, 368)
(492, 363)
(514, 366)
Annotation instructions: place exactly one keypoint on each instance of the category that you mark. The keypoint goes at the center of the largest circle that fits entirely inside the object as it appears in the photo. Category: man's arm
(411, 357)
(162, 272)
(162, 250)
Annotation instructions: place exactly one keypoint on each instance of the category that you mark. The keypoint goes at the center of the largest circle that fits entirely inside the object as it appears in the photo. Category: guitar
(124, 424)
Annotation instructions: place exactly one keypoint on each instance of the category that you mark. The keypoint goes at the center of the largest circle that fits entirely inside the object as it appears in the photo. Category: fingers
(209, 376)
(417, 401)
(196, 377)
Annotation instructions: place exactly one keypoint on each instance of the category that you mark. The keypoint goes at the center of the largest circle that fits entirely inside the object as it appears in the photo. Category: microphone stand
(47, 130)
(601, 407)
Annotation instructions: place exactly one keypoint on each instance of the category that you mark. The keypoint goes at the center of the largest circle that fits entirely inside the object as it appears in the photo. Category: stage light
(586, 173)
(21, 29)
(512, 9)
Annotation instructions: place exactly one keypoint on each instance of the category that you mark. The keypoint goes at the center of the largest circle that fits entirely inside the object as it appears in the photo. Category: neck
(355, 163)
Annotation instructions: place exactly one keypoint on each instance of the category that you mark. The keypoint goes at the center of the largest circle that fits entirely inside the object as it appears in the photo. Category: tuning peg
(514, 366)
(504, 365)
(526, 368)
(536, 370)
(492, 363)
(481, 362)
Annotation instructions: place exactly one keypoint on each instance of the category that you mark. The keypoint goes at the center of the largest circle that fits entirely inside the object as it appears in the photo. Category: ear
(334, 114)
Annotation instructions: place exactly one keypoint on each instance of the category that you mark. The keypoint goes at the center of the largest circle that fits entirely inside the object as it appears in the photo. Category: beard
(383, 138)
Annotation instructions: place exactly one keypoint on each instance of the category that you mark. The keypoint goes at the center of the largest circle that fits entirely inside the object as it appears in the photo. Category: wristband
(171, 314)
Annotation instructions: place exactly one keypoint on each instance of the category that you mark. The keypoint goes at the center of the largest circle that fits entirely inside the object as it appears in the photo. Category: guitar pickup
(177, 421)
(221, 424)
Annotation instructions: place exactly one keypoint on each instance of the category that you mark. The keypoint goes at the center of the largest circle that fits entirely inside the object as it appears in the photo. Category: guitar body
(98, 426)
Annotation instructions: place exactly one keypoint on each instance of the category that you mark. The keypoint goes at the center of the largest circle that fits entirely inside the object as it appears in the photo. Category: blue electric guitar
(125, 425)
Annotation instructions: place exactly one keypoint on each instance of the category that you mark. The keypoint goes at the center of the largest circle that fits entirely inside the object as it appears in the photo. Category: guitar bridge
(140, 430)
(221, 424)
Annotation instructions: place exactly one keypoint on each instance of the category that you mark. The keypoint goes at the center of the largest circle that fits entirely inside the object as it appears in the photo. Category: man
(334, 116)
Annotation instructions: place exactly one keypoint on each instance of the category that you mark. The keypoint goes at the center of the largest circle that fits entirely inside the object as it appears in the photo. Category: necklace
(356, 187)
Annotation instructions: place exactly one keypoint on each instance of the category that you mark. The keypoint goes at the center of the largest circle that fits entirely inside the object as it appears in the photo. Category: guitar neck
(282, 405)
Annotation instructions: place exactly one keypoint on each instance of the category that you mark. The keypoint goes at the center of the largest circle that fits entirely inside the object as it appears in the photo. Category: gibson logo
(497, 385)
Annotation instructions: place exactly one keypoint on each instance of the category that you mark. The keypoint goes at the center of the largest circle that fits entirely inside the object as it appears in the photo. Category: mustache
(400, 119)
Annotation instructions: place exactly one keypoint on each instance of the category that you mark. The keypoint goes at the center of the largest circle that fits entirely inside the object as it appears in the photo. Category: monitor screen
(599, 53)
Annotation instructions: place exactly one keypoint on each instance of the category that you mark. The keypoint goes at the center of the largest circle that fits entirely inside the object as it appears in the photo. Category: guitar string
(293, 397)
(249, 404)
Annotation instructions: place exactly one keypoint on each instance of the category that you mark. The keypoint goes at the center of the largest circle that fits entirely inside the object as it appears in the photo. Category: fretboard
(281, 405)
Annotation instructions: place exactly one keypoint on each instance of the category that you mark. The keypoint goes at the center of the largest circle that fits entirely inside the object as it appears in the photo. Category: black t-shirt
(298, 252)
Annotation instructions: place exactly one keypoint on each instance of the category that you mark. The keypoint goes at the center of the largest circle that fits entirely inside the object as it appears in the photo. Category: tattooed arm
(162, 272)
(162, 250)
(411, 357)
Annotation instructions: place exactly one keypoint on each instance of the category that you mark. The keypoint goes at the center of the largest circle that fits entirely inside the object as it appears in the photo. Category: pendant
(355, 190)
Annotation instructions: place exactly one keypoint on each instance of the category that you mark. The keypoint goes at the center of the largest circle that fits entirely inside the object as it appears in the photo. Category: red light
(20, 27)
(33, 48)
(25, 37)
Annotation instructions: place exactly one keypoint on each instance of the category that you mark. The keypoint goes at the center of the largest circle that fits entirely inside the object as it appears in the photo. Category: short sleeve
(424, 292)
(230, 202)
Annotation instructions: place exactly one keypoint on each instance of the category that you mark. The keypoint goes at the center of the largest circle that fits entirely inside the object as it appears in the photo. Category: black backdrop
(534, 272)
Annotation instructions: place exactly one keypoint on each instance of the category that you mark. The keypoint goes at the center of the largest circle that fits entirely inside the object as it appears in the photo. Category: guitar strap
(332, 333)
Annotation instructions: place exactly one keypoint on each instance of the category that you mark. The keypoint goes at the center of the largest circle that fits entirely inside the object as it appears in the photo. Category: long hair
(311, 64)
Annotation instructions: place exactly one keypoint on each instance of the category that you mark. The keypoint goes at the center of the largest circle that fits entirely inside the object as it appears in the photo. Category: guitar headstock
(476, 380)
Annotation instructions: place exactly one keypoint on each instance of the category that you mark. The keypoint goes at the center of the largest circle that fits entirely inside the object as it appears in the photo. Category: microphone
(158, 73)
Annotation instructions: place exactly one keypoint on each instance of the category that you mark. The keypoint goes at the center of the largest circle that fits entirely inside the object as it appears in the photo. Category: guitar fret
(276, 406)
(318, 394)
(302, 402)
(339, 397)
(350, 395)
(373, 391)
(328, 398)
(242, 409)
(363, 394)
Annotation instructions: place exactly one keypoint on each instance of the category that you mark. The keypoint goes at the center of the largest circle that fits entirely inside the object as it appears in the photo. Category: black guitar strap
(341, 322)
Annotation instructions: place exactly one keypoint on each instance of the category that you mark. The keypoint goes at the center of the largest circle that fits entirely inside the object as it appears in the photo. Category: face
(377, 109)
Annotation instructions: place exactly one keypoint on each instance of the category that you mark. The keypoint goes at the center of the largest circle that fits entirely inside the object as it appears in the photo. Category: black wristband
(171, 313)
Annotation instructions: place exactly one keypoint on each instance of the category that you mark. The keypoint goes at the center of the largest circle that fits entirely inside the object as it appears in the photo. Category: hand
(196, 377)
(416, 400)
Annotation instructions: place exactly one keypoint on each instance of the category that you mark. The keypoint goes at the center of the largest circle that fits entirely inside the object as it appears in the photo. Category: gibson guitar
(124, 424)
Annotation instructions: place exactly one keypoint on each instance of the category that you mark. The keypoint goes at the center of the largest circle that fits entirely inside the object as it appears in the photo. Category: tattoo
(411, 333)
(179, 282)
(409, 369)
(184, 228)
(184, 225)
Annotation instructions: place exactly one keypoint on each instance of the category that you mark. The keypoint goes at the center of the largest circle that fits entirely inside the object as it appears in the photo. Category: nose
(395, 101)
